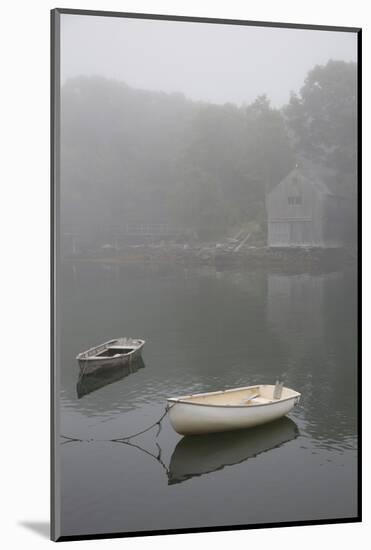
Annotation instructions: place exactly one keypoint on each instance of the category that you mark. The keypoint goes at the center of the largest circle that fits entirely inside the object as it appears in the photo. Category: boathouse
(302, 211)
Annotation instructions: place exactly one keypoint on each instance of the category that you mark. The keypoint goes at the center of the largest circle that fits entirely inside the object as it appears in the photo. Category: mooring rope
(120, 439)
(157, 458)
(69, 439)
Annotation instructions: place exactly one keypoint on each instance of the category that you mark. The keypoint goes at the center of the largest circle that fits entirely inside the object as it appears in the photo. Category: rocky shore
(290, 259)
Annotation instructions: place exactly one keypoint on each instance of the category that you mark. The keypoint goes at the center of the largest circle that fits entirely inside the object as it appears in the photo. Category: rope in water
(69, 439)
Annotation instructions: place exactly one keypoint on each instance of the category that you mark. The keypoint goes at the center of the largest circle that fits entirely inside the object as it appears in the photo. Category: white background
(24, 238)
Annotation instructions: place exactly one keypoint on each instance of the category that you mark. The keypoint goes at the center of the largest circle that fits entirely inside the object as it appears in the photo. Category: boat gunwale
(184, 400)
(81, 356)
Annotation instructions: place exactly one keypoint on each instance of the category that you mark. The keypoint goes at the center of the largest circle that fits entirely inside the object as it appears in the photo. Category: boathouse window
(294, 199)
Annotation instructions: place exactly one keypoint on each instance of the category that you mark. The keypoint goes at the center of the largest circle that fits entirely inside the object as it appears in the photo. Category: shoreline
(292, 259)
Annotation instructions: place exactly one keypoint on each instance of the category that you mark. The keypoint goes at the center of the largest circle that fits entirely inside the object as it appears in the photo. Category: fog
(181, 132)
(209, 62)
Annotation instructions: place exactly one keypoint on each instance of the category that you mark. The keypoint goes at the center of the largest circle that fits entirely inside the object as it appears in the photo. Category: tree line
(136, 156)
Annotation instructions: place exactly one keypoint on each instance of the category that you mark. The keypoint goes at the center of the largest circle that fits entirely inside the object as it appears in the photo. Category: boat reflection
(197, 455)
(88, 383)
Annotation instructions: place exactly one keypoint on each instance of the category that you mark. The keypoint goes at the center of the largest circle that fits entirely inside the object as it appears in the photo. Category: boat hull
(192, 418)
(88, 366)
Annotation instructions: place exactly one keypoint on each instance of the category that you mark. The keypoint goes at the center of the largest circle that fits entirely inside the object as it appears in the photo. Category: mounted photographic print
(205, 274)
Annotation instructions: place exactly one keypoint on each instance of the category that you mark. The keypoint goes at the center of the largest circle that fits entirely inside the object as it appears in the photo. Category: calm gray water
(207, 330)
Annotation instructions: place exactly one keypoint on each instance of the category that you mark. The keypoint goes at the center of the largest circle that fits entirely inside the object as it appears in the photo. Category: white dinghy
(230, 409)
(113, 353)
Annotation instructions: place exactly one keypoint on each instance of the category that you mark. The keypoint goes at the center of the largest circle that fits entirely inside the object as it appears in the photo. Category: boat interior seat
(261, 400)
(255, 400)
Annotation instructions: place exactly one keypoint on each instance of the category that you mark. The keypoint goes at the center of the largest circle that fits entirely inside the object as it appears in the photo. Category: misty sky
(215, 63)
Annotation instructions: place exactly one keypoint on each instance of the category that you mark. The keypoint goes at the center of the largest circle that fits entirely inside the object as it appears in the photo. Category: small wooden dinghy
(230, 409)
(118, 352)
